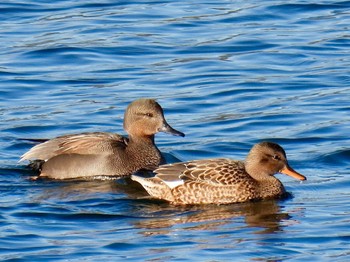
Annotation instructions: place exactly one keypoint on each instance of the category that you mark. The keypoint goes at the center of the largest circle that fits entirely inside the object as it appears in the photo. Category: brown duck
(101, 155)
(222, 181)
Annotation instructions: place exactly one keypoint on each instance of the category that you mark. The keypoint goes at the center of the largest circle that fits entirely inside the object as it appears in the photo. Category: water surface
(228, 75)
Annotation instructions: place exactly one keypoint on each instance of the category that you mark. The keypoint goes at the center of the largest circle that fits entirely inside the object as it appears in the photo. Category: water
(228, 74)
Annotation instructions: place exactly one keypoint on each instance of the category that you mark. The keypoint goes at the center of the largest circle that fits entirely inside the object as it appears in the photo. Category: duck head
(145, 117)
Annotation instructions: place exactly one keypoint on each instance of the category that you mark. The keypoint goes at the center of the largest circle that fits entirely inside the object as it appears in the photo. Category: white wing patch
(173, 184)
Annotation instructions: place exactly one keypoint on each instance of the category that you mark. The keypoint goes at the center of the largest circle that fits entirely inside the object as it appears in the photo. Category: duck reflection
(82, 189)
(159, 217)
(265, 216)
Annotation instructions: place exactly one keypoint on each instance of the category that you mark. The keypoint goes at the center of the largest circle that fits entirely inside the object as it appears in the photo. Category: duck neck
(270, 187)
(142, 150)
(137, 139)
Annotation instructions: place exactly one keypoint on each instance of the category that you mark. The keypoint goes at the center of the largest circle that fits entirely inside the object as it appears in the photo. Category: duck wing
(84, 144)
(217, 172)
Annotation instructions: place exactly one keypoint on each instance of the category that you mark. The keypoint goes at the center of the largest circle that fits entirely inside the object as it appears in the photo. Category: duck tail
(155, 187)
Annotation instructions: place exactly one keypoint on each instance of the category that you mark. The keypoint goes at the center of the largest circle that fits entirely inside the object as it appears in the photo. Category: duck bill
(166, 128)
(287, 170)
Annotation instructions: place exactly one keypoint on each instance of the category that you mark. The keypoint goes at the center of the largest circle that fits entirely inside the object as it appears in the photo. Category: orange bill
(287, 170)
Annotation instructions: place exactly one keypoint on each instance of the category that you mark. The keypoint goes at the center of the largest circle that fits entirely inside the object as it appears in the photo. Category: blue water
(228, 74)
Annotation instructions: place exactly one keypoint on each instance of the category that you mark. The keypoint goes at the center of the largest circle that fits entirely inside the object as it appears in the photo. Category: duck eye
(149, 114)
(276, 157)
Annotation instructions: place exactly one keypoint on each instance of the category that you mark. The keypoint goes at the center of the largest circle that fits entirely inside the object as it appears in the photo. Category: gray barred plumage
(100, 154)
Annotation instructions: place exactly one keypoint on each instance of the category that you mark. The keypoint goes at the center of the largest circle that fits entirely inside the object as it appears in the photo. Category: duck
(222, 180)
(103, 155)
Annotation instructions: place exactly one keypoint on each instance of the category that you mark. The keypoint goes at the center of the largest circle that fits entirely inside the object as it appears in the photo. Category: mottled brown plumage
(222, 181)
(99, 154)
